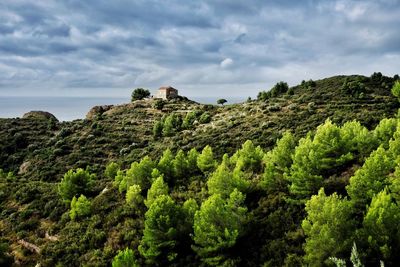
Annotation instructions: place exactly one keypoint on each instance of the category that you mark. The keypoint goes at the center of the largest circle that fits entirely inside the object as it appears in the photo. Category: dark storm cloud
(203, 47)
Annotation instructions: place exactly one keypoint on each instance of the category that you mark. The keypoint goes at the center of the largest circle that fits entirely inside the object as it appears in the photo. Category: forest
(199, 187)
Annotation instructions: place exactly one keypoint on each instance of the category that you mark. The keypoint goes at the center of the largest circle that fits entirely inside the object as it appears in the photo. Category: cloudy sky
(203, 48)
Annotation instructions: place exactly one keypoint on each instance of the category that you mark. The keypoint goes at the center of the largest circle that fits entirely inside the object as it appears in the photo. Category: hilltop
(78, 192)
(124, 132)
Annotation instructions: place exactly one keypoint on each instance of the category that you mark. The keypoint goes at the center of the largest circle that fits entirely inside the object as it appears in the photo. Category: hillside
(40, 151)
(124, 132)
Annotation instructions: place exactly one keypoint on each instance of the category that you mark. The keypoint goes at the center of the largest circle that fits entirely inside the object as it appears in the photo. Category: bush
(396, 89)
(111, 170)
(79, 207)
(205, 118)
(159, 104)
(125, 258)
(74, 183)
(140, 93)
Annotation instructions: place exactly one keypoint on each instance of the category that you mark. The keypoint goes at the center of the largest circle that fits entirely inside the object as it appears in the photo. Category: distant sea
(71, 108)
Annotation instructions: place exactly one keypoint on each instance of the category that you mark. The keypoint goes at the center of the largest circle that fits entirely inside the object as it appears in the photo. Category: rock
(24, 167)
(97, 110)
(40, 115)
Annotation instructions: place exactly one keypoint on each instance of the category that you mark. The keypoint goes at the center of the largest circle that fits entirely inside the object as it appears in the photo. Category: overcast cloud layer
(209, 48)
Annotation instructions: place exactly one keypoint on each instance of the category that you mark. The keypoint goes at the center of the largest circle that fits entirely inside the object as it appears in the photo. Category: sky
(203, 48)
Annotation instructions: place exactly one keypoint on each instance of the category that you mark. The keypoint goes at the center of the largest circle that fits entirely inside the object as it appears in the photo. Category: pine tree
(158, 129)
(329, 227)
(168, 128)
(192, 156)
(217, 226)
(133, 195)
(381, 228)
(139, 173)
(111, 170)
(165, 164)
(158, 188)
(250, 156)
(80, 207)
(315, 157)
(159, 241)
(180, 164)
(125, 258)
(371, 178)
(189, 120)
(222, 181)
(205, 161)
(277, 163)
(74, 183)
(384, 131)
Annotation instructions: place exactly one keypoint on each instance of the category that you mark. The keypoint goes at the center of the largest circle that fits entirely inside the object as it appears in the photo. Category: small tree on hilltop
(140, 93)
(221, 101)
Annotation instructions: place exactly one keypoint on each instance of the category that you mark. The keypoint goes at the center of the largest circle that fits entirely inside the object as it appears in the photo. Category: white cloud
(226, 63)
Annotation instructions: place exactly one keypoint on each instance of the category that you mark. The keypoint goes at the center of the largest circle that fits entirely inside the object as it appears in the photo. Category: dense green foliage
(140, 93)
(80, 207)
(75, 183)
(125, 258)
(315, 180)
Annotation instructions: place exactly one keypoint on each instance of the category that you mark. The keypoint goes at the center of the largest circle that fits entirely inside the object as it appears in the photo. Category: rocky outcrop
(97, 110)
(41, 115)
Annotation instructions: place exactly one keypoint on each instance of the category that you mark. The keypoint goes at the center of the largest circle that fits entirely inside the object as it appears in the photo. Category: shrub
(111, 170)
(396, 89)
(133, 196)
(205, 118)
(79, 207)
(125, 258)
(74, 183)
(159, 104)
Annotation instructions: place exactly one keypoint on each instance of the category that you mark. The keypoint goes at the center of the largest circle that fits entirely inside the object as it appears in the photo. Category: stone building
(166, 92)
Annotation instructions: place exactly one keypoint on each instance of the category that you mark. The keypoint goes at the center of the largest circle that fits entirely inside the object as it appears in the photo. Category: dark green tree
(140, 93)
(217, 226)
(159, 241)
(111, 170)
(158, 129)
(277, 164)
(166, 164)
(139, 173)
(189, 120)
(192, 156)
(221, 101)
(180, 164)
(205, 117)
(223, 181)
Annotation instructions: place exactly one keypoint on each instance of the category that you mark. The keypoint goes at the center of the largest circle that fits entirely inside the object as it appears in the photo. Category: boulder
(40, 115)
(97, 110)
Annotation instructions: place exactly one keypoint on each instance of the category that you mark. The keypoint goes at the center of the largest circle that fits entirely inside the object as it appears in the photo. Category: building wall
(165, 94)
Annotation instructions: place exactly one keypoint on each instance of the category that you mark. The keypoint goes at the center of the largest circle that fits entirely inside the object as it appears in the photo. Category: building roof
(167, 88)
